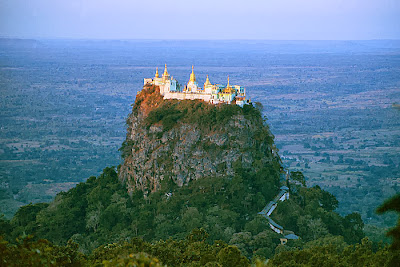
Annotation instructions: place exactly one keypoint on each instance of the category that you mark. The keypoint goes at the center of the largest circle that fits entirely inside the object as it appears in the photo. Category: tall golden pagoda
(192, 76)
(165, 74)
(207, 83)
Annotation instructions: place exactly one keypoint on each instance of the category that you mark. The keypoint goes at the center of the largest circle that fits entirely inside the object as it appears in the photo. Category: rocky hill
(189, 165)
(189, 140)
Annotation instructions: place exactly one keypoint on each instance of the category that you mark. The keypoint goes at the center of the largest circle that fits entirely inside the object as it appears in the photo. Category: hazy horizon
(187, 39)
(286, 20)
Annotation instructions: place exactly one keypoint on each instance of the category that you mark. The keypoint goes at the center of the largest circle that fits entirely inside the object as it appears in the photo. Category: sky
(205, 19)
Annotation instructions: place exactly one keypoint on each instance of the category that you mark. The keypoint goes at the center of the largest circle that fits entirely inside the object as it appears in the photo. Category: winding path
(271, 206)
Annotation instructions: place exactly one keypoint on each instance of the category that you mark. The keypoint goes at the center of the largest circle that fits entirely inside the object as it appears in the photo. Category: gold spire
(192, 76)
(228, 86)
(165, 71)
(207, 82)
(157, 75)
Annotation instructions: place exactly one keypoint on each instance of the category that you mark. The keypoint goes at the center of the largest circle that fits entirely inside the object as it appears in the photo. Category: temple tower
(165, 75)
(192, 86)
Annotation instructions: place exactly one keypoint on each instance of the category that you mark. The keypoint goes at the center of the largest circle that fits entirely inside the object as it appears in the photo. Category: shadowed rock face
(191, 139)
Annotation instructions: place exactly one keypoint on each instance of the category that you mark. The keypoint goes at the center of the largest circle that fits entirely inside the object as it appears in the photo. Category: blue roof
(268, 207)
(284, 188)
(274, 223)
(291, 236)
(281, 193)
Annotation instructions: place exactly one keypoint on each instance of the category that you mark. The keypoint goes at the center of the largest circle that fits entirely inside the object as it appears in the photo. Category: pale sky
(205, 19)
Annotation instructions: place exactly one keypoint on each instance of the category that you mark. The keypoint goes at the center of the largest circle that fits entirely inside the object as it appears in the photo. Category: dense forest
(125, 231)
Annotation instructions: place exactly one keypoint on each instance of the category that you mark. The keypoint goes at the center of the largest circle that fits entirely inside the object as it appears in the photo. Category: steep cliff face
(186, 140)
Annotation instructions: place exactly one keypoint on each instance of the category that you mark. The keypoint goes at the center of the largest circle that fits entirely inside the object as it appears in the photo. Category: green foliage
(168, 114)
(353, 227)
(230, 256)
(393, 204)
(298, 176)
(5, 227)
(191, 251)
(198, 235)
(99, 201)
(100, 211)
(28, 252)
(25, 219)
(26, 214)
(206, 116)
(335, 254)
(139, 259)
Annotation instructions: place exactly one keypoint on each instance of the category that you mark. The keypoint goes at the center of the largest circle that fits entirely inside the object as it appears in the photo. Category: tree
(231, 256)
(28, 252)
(139, 259)
(317, 228)
(191, 218)
(242, 241)
(298, 176)
(5, 226)
(197, 235)
(329, 201)
(392, 204)
(354, 228)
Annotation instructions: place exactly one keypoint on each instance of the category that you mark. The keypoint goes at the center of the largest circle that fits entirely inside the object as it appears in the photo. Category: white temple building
(212, 93)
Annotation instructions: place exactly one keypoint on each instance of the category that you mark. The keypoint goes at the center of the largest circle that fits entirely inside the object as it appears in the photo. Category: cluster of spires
(164, 74)
(192, 76)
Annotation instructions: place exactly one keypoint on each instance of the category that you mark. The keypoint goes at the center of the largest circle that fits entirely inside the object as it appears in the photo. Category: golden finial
(157, 75)
(165, 71)
(207, 82)
(228, 83)
(192, 76)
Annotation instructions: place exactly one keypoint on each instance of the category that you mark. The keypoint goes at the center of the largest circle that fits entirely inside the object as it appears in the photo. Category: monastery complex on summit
(212, 93)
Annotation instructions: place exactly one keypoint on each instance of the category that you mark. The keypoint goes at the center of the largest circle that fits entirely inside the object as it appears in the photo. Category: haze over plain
(177, 19)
